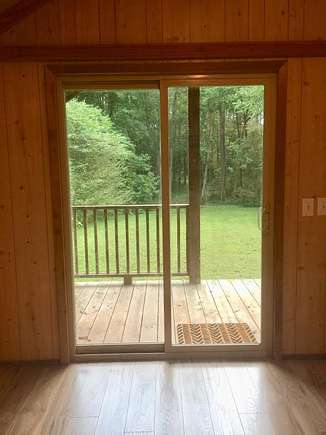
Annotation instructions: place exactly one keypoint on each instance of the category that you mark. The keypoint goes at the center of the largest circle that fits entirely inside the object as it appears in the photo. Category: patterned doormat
(215, 333)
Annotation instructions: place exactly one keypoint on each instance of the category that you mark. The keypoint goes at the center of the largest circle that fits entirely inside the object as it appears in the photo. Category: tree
(104, 166)
(231, 141)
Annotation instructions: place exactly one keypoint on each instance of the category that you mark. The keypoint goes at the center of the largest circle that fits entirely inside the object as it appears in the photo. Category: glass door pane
(216, 184)
(115, 184)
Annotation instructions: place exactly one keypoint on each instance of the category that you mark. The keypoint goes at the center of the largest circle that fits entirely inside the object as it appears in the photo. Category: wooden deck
(113, 313)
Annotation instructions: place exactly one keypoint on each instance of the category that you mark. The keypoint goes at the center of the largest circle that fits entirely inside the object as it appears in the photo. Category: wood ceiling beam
(158, 52)
(17, 11)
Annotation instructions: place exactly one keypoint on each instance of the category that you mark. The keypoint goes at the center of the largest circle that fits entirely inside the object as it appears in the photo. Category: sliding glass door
(115, 188)
(220, 138)
(171, 197)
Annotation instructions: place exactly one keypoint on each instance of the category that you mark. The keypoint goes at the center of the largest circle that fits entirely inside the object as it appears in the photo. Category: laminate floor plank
(113, 416)
(168, 415)
(195, 407)
(142, 400)
(305, 402)
(224, 413)
(15, 394)
(80, 396)
(262, 423)
(33, 417)
(164, 398)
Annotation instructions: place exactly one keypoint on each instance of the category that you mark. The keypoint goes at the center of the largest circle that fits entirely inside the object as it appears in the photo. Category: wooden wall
(28, 326)
(27, 298)
(71, 22)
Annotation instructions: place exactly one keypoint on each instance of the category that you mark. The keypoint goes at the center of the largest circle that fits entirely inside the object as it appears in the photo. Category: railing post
(193, 222)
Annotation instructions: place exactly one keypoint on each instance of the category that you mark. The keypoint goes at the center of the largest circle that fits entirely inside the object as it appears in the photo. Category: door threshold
(165, 356)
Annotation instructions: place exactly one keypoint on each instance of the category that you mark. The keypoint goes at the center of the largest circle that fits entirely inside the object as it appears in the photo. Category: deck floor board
(112, 313)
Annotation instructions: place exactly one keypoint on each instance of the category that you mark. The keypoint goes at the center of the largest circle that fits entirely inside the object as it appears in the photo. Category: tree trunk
(173, 138)
(222, 150)
(208, 154)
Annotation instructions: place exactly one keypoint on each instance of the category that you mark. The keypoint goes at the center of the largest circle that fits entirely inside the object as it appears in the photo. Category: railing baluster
(95, 240)
(85, 223)
(116, 231)
(152, 226)
(178, 240)
(106, 229)
(148, 251)
(127, 240)
(137, 240)
(75, 240)
(158, 253)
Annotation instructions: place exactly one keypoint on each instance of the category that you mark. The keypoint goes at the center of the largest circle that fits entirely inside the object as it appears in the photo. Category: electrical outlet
(321, 206)
(307, 206)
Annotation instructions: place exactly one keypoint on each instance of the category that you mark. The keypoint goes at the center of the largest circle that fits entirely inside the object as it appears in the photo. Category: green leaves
(104, 166)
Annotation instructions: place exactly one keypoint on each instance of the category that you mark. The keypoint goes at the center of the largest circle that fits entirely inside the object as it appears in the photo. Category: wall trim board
(179, 51)
(161, 68)
(62, 237)
(304, 356)
(279, 197)
(53, 111)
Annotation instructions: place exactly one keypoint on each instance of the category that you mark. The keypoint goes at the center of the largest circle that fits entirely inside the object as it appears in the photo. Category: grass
(230, 242)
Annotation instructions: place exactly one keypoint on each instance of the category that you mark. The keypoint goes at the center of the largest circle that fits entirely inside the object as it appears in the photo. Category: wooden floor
(164, 398)
(114, 313)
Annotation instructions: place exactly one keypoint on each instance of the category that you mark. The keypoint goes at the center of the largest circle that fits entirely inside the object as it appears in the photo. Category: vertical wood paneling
(256, 20)
(26, 257)
(29, 210)
(292, 155)
(314, 19)
(68, 25)
(139, 21)
(47, 21)
(23, 33)
(276, 20)
(176, 21)
(49, 212)
(131, 21)
(9, 324)
(154, 21)
(207, 20)
(310, 317)
(296, 19)
(107, 22)
(237, 20)
(88, 22)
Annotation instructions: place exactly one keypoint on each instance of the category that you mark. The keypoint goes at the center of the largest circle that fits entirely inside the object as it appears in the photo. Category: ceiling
(12, 11)
(5, 4)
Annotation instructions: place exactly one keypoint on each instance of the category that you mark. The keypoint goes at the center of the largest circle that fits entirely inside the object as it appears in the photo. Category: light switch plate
(321, 206)
(307, 206)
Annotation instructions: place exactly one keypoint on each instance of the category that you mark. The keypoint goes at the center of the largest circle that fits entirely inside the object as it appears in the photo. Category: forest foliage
(114, 145)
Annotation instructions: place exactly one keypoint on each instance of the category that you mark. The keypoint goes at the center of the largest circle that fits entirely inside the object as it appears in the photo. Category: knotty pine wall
(28, 323)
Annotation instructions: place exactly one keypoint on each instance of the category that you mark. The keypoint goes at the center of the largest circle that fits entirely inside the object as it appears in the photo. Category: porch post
(193, 230)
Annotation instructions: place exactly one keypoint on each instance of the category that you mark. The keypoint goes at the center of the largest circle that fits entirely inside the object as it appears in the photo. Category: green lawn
(230, 243)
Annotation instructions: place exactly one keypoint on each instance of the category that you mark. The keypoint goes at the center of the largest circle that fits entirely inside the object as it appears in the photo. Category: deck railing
(126, 240)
